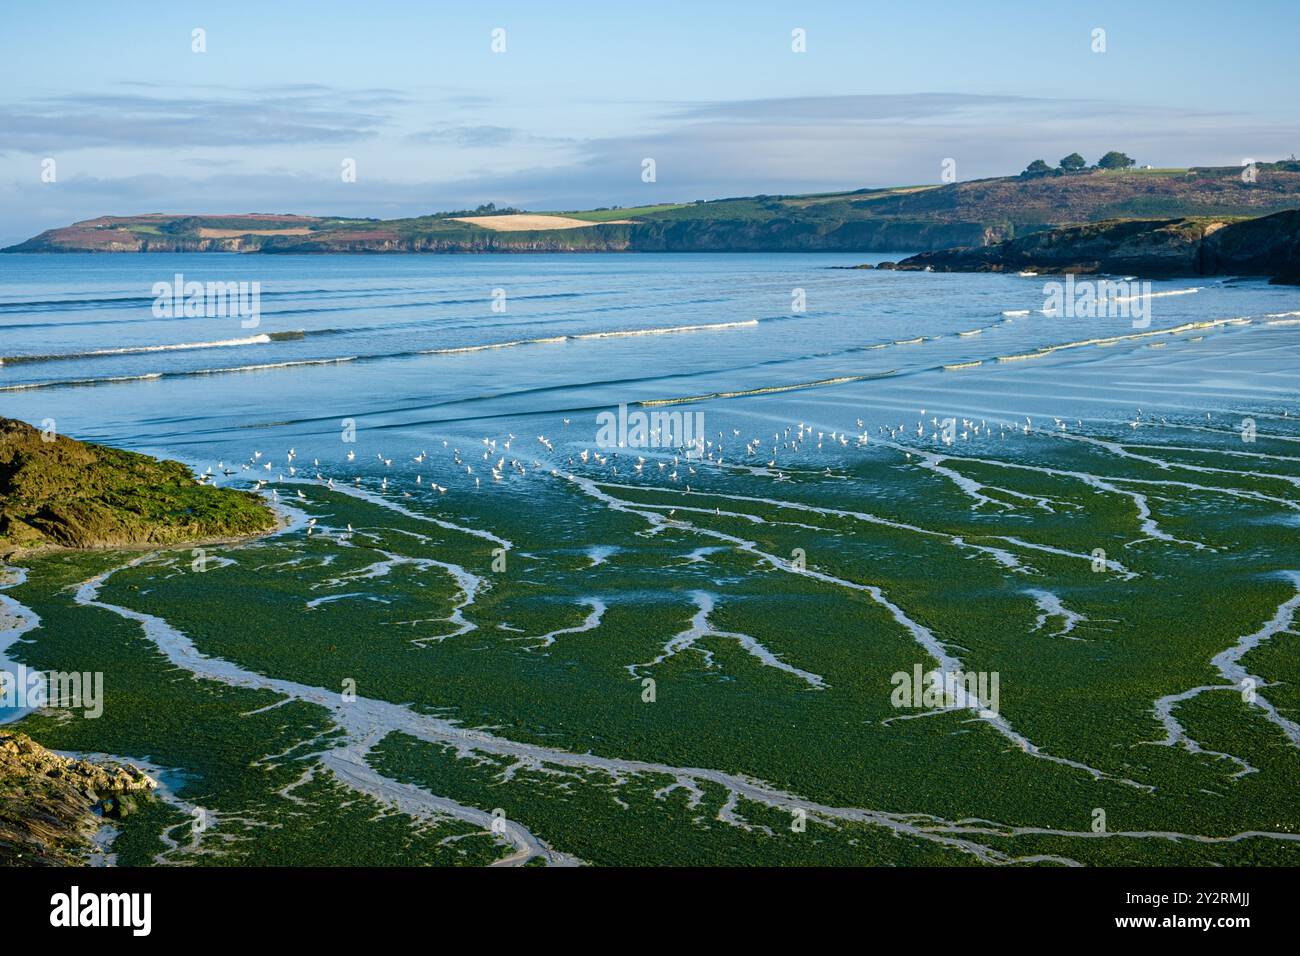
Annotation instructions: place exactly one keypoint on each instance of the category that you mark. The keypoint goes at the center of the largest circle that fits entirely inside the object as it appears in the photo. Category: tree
(1073, 163)
(1115, 160)
(1037, 168)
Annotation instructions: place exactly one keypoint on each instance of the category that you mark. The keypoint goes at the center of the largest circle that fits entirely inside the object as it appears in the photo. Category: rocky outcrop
(51, 805)
(1267, 246)
(59, 492)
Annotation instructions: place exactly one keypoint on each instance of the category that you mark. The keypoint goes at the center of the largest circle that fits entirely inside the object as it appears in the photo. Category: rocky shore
(1266, 246)
(51, 805)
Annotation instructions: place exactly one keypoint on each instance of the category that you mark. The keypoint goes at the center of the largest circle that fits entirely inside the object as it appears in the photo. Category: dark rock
(48, 802)
(1268, 246)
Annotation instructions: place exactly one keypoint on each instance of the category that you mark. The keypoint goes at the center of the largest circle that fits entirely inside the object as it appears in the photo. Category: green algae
(394, 635)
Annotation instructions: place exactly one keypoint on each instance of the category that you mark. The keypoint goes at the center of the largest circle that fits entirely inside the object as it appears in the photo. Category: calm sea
(425, 347)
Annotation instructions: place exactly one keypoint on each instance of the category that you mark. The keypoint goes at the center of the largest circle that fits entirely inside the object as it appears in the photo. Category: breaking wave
(263, 338)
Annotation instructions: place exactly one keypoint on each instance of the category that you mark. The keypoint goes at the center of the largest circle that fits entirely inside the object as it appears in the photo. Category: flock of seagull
(499, 459)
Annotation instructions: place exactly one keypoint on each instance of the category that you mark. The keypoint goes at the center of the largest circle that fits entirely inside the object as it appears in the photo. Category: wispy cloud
(484, 137)
(212, 119)
(867, 108)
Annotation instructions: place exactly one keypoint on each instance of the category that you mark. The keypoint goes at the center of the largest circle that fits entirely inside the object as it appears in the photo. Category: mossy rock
(59, 492)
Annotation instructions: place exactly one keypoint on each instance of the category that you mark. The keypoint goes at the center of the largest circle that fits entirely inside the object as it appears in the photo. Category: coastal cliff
(1266, 246)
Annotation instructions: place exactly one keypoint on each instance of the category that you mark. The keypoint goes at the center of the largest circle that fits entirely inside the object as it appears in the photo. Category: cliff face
(1267, 246)
(787, 235)
(66, 493)
(49, 803)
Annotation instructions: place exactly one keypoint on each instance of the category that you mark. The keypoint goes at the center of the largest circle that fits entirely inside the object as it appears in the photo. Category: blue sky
(138, 122)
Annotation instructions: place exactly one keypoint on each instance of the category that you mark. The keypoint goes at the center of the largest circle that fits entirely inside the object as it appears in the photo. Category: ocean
(419, 347)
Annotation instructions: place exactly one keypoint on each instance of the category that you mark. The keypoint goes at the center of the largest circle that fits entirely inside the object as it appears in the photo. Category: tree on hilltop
(1073, 163)
(1115, 160)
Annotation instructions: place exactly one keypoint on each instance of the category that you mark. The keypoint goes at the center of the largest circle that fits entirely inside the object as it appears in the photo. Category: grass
(632, 212)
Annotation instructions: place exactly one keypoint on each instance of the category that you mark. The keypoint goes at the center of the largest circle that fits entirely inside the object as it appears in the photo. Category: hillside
(1263, 246)
(66, 493)
(979, 212)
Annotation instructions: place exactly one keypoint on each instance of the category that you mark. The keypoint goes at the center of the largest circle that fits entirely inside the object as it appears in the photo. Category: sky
(433, 118)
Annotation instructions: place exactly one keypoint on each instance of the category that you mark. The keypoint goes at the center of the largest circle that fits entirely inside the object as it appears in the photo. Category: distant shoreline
(975, 213)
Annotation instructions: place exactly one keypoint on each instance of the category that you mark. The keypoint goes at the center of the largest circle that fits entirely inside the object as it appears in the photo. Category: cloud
(471, 137)
(865, 108)
(484, 137)
(294, 114)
